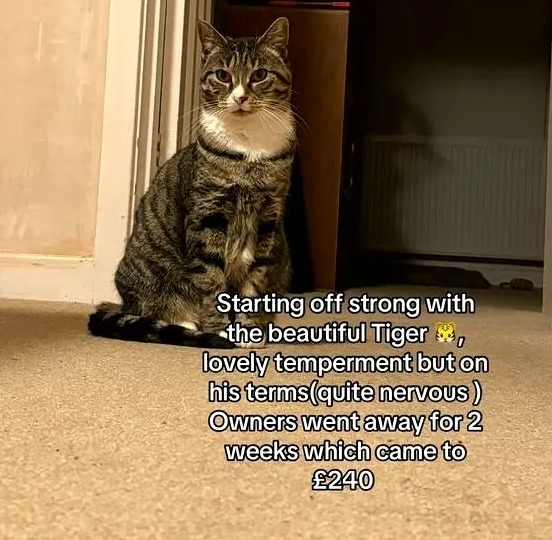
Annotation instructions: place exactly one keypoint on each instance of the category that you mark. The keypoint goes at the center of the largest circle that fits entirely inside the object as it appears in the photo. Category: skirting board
(71, 279)
(495, 274)
(49, 278)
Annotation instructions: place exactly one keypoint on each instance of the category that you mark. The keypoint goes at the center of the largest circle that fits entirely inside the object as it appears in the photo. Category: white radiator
(468, 197)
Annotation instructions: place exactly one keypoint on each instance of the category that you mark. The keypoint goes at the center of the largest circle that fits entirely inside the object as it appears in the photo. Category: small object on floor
(518, 284)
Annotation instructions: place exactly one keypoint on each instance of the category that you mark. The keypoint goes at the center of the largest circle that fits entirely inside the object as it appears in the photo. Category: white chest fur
(259, 135)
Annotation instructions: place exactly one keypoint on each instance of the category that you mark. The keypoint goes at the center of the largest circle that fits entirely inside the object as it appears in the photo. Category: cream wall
(52, 75)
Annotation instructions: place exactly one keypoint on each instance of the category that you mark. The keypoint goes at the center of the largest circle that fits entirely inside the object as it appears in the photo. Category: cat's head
(245, 76)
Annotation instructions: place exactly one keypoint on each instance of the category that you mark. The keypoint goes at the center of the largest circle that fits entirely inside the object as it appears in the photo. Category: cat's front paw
(251, 345)
(245, 344)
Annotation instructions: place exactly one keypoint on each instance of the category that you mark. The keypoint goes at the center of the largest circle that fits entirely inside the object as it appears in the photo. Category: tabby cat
(212, 219)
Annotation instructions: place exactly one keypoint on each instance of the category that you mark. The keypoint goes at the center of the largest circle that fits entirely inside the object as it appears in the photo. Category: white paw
(251, 345)
(161, 324)
(223, 334)
(189, 325)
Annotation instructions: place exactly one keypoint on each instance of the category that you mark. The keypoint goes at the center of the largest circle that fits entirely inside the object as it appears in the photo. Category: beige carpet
(108, 440)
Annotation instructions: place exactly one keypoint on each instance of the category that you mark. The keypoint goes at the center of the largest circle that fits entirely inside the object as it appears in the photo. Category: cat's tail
(109, 321)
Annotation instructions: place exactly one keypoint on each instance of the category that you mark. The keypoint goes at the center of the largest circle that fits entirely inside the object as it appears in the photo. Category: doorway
(451, 138)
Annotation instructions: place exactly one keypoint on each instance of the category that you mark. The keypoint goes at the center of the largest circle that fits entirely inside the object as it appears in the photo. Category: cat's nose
(240, 100)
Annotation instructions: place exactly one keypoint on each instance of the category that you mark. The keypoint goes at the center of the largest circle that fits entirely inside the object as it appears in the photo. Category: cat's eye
(259, 75)
(223, 76)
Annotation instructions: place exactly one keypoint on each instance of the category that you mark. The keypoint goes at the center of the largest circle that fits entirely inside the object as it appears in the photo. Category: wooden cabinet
(318, 55)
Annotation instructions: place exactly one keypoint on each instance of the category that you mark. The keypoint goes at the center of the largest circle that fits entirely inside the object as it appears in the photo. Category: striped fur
(212, 219)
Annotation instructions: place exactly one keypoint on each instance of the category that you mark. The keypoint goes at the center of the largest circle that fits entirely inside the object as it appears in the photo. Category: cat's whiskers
(275, 120)
(271, 123)
(288, 107)
(216, 110)
(266, 118)
(257, 135)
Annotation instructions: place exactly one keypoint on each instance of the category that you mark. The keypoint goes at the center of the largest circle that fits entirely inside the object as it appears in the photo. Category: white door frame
(126, 104)
(148, 141)
(151, 101)
(189, 70)
(177, 98)
(173, 53)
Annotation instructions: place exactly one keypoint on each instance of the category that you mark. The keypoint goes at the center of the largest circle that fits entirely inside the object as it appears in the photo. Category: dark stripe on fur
(116, 325)
(281, 77)
(237, 156)
(263, 261)
(240, 156)
(267, 227)
(211, 259)
(216, 221)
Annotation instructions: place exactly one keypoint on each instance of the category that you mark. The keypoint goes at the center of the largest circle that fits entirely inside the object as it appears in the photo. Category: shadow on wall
(395, 174)
(387, 183)
(385, 177)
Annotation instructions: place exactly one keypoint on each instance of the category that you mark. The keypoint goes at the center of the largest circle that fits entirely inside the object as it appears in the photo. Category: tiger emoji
(445, 332)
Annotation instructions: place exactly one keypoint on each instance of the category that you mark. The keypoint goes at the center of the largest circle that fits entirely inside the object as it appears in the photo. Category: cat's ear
(209, 37)
(277, 36)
